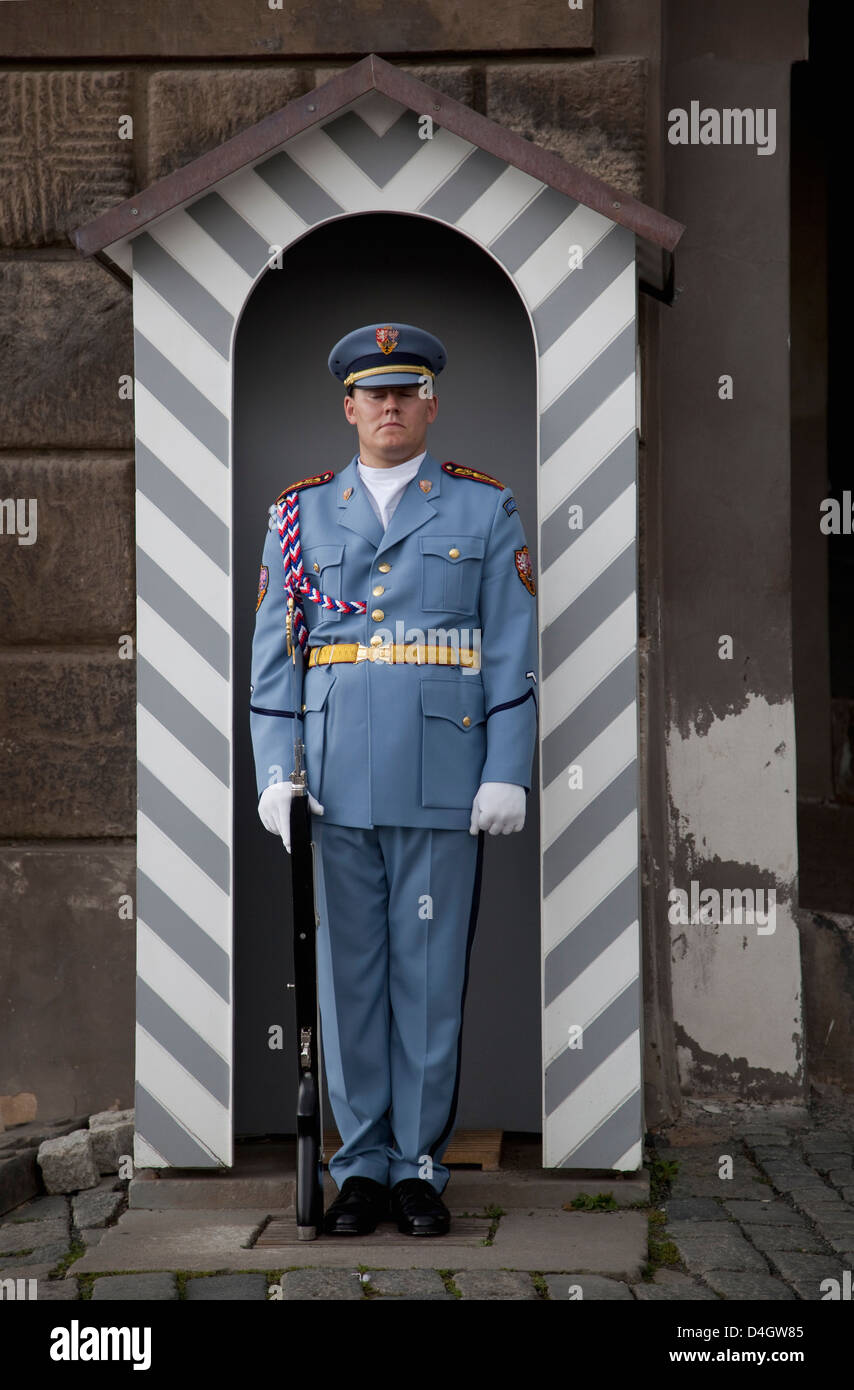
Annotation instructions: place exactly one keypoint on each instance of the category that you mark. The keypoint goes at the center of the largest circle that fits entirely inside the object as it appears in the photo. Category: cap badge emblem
(387, 338)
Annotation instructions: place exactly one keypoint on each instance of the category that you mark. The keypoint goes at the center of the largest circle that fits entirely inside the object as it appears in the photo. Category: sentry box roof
(379, 136)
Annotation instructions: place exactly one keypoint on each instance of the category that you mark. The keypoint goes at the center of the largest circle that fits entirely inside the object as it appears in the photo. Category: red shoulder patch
(313, 481)
(458, 470)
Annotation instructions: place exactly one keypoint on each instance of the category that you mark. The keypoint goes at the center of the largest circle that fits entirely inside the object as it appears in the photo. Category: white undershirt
(385, 486)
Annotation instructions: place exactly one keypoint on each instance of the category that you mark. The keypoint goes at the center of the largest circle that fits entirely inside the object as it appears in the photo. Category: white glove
(498, 807)
(274, 808)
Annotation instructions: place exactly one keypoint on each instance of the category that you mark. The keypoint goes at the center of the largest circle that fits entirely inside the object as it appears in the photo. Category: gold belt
(394, 654)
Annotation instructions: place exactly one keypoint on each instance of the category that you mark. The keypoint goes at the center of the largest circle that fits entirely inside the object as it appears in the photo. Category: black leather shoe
(418, 1209)
(360, 1204)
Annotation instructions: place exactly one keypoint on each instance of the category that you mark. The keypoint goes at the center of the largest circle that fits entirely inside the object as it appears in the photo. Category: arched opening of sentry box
(289, 422)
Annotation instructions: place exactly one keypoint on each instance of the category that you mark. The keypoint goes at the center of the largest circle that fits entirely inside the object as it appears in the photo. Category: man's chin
(392, 449)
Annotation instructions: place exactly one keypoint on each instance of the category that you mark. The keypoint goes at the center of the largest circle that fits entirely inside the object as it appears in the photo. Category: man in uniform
(418, 713)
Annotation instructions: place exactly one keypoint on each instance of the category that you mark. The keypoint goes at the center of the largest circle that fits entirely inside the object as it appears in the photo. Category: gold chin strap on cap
(384, 371)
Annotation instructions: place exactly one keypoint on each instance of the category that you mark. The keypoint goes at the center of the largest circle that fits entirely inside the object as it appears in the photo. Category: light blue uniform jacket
(404, 745)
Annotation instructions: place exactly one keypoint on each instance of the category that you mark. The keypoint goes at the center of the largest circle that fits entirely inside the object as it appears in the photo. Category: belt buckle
(378, 653)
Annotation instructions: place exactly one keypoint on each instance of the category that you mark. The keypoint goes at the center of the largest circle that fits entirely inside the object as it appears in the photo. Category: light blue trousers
(397, 908)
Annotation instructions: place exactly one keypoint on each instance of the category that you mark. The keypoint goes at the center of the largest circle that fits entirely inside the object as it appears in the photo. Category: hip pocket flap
(316, 690)
(462, 704)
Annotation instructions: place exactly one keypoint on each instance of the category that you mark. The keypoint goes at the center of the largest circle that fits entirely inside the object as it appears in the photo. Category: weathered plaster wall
(727, 571)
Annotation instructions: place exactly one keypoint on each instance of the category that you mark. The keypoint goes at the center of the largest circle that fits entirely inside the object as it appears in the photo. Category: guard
(415, 615)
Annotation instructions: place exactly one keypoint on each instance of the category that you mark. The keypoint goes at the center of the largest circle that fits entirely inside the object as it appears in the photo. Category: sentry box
(376, 195)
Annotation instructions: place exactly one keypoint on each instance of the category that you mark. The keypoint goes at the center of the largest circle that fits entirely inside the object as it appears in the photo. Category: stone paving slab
(28, 1234)
(828, 1141)
(841, 1242)
(42, 1254)
(784, 1238)
(423, 1284)
(222, 1194)
(594, 1288)
(806, 1272)
(234, 1287)
(823, 1211)
(776, 1153)
(802, 1189)
(601, 1242)
(827, 1159)
(96, 1208)
(766, 1139)
(466, 1191)
(655, 1293)
(498, 1284)
(597, 1242)
(127, 1287)
(57, 1291)
(38, 1209)
(767, 1213)
(706, 1245)
(304, 1284)
(744, 1189)
(835, 1225)
(159, 1239)
(281, 1237)
(693, 1209)
(26, 1271)
(47, 1290)
(704, 1157)
(730, 1283)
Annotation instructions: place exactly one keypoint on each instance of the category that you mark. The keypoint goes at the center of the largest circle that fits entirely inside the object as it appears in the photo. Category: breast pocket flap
(322, 556)
(453, 548)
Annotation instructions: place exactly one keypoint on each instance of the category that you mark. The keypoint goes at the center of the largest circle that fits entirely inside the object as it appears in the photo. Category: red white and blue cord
(296, 581)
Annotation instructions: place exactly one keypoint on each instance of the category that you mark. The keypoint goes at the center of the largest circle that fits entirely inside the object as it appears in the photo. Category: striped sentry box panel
(193, 270)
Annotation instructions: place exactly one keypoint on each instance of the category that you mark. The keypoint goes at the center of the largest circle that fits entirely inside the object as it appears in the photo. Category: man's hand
(274, 808)
(498, 807)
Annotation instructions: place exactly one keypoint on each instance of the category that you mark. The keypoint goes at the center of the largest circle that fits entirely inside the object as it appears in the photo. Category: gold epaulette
(314, 481)
(458, 470)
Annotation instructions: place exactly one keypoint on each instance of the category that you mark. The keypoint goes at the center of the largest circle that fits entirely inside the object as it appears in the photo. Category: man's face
(391, 420)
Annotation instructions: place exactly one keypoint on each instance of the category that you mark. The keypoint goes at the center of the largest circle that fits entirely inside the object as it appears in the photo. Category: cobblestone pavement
(761, 1207)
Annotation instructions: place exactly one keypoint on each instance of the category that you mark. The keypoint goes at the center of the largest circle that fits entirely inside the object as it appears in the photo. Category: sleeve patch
(525, 569)
(509, 505)
(458, 470)
(263, 582)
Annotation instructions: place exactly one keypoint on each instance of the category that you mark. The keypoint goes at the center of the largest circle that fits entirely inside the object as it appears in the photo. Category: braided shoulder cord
(295, 579)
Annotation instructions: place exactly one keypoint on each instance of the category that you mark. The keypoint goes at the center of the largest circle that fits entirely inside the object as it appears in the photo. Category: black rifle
(309, 1201)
